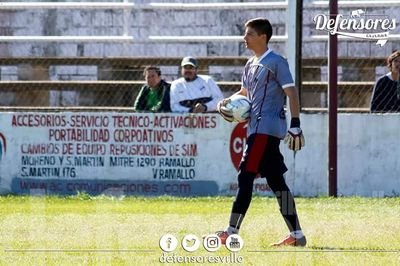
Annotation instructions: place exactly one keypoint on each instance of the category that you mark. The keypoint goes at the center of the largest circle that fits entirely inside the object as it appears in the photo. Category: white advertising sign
(129, 153)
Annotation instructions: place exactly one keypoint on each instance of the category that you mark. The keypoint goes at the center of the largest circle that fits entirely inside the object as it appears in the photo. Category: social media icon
(168, 242)
(211, 242)
(190, 243)
(234, 243)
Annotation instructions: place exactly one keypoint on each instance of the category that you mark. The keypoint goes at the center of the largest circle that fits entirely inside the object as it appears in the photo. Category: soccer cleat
(223, 235)
(291, 241)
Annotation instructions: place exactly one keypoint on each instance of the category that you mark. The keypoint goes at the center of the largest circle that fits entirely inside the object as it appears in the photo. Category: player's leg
(248, 169)
(287, 207)
(273, 169)
(242, 200)
(239, 206)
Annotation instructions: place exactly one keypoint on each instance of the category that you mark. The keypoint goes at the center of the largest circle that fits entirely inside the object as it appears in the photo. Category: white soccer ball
(240, 106)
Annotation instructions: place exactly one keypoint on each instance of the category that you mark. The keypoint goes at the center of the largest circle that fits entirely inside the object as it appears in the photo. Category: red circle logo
(237, 143)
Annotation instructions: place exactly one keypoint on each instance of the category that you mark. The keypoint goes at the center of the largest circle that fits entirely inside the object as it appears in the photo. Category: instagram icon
(211, 242)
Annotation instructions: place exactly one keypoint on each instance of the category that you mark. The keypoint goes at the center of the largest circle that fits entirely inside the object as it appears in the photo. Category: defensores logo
(357, 25)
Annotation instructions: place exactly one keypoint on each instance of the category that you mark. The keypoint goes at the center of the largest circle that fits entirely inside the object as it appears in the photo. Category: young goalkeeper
(266, 81)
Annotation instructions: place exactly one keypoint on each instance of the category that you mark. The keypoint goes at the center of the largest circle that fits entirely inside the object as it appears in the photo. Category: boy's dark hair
(261, 26)
(155, 68)
(391, 57)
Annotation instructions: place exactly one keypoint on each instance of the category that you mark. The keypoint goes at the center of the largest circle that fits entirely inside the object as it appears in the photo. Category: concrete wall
(35, 156)
(142, 23)
(368, 161)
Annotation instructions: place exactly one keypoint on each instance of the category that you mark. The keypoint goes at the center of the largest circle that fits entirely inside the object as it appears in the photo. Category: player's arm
(294, 102)
(294, 137)
(242, 91)
(226, 113)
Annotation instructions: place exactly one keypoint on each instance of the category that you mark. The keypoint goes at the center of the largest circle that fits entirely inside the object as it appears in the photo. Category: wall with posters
(186, 155)
(148, 154)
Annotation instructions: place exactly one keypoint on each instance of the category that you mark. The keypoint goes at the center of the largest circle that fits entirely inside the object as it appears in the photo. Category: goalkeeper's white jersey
(265, 80)
(203, 89)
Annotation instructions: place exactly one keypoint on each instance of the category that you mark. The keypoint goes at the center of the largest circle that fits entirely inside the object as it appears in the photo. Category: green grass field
(110, 231)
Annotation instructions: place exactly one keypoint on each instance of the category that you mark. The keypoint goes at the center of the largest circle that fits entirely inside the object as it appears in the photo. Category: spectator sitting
(386, 93)
(194, 93)
(153, 96)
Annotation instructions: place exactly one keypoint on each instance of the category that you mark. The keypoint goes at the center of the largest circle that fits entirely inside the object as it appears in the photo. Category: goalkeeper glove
(295, 137)
(223, 111)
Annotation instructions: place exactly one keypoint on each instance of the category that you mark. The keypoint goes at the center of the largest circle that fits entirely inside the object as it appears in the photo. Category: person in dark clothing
(386, 93)
(153, 96)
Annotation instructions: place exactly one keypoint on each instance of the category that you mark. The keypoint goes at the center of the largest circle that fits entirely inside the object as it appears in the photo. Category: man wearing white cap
(194, 93)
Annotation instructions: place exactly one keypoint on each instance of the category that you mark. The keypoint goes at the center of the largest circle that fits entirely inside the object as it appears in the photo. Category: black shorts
(262, 156)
